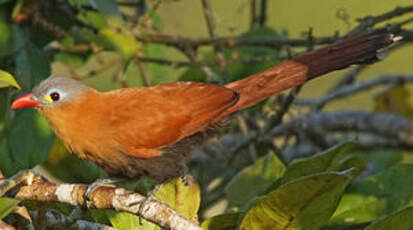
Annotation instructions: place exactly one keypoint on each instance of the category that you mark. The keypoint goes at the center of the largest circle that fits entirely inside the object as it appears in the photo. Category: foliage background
(354, 186)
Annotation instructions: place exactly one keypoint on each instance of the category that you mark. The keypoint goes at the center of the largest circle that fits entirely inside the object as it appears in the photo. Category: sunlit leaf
(306, 203)
(128, 221)
(6, 79)
(123, 43)
(94, 19)
(401, 220)
(358, 208)
(254, 180)
(6, 206)
(221, 222)
(183, 196)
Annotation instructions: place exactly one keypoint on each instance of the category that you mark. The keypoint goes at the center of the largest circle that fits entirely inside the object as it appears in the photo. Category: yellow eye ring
(48, 99)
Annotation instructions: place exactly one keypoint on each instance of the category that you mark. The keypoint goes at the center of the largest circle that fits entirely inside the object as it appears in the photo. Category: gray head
(55, 90)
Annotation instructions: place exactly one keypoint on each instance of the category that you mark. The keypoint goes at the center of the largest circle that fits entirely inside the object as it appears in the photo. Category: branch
(102, 198)
(351, 89)
(388, 126)
(25, 177)
(370, 21)
(232, 41)
(5, 226)
(348, 78)
(209, 17)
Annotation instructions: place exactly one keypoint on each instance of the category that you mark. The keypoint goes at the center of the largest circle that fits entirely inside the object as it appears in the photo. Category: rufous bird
(150, 131)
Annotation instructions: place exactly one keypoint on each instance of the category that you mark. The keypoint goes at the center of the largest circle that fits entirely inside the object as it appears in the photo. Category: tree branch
(370, 21)
(388, 126)
(102, 198)
(355, 88)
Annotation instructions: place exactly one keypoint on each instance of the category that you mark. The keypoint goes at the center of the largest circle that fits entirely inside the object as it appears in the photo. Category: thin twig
(146, 78)
(355, 88)
(348, 78)
(26, 177)
(209, 17)
(232, 41)
(370, 21)
(263, 13)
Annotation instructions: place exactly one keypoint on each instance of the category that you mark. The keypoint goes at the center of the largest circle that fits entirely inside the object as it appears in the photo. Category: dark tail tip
(361, 49)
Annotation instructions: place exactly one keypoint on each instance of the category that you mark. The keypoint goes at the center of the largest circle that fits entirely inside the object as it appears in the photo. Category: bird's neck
(69, 119)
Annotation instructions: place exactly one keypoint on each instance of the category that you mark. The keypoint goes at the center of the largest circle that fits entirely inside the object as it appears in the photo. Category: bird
(151, 131)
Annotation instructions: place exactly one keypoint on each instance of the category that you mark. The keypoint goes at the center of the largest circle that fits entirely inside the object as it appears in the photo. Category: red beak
(24, 101)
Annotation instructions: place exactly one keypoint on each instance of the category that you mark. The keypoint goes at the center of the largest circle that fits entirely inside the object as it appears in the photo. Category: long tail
(361, 49)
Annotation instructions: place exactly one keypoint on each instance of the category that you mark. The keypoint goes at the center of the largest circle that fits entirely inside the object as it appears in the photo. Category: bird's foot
(184, 180)
(147, 199)
(101, 182)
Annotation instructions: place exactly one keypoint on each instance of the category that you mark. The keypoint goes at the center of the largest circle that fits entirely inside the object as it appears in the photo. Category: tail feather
(356, 50)
(362, 49)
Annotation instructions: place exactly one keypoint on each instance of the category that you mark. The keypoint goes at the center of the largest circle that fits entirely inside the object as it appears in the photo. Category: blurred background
(110, 44)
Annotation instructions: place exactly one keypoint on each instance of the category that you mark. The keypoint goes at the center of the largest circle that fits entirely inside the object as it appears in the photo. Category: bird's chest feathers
(78, 127)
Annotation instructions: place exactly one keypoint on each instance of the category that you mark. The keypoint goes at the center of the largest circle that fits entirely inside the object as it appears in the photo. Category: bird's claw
(102, 182)
(184, 180)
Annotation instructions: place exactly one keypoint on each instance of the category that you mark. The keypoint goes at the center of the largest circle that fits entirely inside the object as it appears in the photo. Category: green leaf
(376, 196)
(6, 79)
(78, 3)
(4, 1)
(128, 221)
(330, 160)
(68, 167)
(357, 208)
(27, 142)
(157, 72)
(185, 198)
(306, 203)
(6, 206)
(32, 66)
(120, 41)
(106, 7)
(193, 74)
(5, 37)
(221, 222)
(71, 60)
(254, 180)
(239, 70)
(401, 220)
(94, 19)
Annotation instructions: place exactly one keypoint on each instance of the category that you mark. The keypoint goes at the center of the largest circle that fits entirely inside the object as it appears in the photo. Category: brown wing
(146, 119)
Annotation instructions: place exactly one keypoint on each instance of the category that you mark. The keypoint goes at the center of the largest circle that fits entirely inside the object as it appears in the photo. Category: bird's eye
(55, 96)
